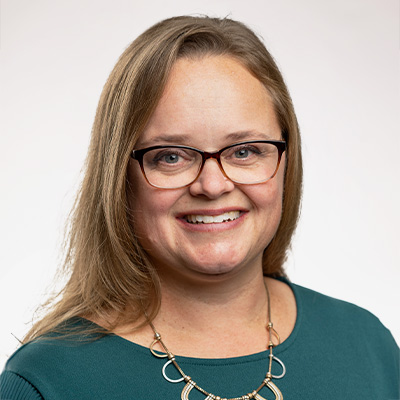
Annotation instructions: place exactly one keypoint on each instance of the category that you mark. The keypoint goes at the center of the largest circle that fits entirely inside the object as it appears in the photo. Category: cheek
(267, 197)
(150, 208)
(139, 199)
(275, 188)
(141, 196)
(267, 203)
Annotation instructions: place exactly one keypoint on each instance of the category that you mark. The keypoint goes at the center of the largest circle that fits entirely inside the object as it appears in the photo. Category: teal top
(336, 351)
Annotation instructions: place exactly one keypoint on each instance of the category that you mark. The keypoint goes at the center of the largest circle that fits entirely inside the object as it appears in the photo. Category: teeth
(212, 219)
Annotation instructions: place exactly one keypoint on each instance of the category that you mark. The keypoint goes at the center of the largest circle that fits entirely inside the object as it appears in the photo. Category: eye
(244, 152)
(169, 158)
(247, 154)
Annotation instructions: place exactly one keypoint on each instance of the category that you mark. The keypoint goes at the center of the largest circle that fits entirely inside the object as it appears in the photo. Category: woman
(185, 215)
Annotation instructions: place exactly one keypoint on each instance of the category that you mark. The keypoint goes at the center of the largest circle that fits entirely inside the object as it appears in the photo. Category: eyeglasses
(245, 163)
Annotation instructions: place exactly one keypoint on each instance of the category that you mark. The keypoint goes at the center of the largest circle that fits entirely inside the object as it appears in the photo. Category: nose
(212, 182)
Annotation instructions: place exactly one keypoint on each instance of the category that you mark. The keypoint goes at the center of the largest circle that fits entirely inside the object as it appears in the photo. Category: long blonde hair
(109, 272)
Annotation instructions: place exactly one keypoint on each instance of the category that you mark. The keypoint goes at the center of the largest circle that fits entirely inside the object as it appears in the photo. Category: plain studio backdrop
(340, 59)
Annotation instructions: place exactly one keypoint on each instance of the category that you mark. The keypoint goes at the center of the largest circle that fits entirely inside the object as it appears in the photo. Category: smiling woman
(208, 99)
(182, 225)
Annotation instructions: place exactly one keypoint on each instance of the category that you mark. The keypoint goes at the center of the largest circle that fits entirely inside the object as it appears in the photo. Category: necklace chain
(190, 384)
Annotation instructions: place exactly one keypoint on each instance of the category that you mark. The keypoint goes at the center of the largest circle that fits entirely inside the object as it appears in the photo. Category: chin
(216, 269)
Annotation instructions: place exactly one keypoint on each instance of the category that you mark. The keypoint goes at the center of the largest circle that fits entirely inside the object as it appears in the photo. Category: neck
(219, 318)
(225, 299)
(194, 319)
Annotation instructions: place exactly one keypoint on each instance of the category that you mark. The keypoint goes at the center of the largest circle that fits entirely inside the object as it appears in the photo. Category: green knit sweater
(336, 351)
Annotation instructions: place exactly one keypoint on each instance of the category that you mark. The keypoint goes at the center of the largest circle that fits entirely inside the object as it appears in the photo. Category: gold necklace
(190, 384)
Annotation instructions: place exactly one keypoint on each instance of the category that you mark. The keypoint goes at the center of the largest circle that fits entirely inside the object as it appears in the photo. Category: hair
(109, 272)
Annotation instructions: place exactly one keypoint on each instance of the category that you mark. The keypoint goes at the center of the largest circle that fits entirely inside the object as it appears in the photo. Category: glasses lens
(171, 167)
(250, 163)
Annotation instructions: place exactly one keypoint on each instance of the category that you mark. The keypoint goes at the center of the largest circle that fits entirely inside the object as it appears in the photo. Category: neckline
(280, 349)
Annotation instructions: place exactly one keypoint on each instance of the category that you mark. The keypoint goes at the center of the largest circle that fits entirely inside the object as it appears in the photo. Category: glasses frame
(139, 153)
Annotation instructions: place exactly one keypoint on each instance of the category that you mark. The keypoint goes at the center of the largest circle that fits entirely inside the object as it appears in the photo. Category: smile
(212, 219)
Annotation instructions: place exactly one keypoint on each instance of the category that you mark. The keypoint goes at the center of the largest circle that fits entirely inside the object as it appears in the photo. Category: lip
(217, 227)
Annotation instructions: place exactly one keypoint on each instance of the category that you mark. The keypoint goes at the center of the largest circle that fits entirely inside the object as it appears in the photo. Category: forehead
(204, 81)
(212, 97)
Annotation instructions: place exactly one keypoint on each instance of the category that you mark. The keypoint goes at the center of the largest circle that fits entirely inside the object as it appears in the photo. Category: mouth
(212, 219)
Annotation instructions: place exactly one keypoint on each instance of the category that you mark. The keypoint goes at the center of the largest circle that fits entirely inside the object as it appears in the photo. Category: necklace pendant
(189, 386)
(186, 390)
(274, 389)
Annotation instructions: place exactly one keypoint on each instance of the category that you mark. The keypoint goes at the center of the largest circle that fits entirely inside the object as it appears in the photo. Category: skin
(216, 269)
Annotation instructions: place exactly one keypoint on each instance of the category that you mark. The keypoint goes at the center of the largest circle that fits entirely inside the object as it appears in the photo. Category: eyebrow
(184, 139)
(245, 135)
(175, 139)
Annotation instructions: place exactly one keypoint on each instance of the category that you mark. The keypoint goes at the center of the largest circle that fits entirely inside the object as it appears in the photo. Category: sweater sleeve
(14, 387)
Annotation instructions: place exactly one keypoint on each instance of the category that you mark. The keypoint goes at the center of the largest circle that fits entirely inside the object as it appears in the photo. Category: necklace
(190, 384)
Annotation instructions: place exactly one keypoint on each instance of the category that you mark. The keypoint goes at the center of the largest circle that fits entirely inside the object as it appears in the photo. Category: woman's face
(208, 103)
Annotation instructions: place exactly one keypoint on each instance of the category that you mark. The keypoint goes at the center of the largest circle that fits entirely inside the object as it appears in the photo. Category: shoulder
(50, 363)
(349, 339)
(49, 354)
(333, 319)
(15, 387)
(336, 344)
(106, 367)
(317, 305)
